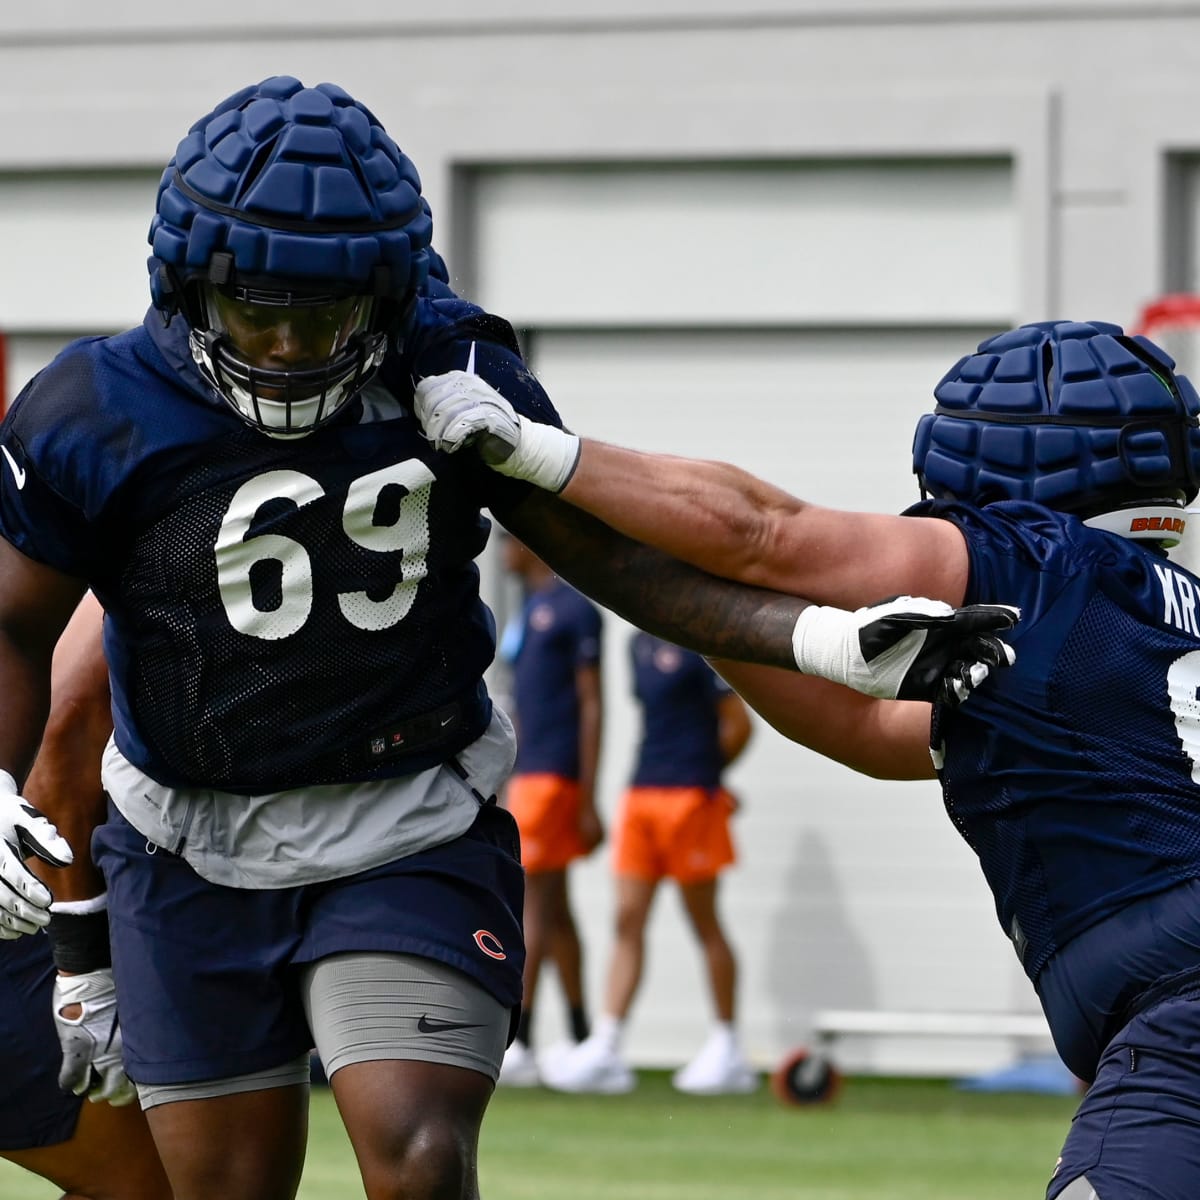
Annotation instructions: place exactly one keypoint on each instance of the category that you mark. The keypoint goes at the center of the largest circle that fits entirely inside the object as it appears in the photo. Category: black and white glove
(908, 648)
(460, 409)
(24, 899)
(91, 1041)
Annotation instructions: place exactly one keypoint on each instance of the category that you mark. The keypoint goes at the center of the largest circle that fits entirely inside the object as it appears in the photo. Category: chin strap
(1163, 523)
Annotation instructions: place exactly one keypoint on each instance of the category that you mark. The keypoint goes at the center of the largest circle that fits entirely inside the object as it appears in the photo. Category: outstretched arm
(908, 648)
(887, 739)
(710, 514)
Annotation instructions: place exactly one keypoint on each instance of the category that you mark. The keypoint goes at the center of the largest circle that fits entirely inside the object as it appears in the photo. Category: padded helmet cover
(1077, 416)
(284, 186)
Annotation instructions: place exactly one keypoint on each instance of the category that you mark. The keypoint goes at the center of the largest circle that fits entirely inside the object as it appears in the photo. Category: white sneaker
(592, 1066)
(719, 1069)
(519, 1068)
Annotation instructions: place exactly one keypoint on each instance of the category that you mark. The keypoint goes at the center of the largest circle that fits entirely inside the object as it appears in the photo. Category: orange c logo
(489, 943)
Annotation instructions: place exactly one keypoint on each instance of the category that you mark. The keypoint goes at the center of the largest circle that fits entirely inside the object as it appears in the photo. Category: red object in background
(1176, 310)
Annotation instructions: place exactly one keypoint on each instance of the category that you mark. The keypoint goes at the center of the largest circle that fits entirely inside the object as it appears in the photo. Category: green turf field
(903, 1140)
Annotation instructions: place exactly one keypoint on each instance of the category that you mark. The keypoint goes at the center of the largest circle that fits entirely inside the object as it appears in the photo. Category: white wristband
(544, 455)
(81, 908)
(8, 783)
(822, 641)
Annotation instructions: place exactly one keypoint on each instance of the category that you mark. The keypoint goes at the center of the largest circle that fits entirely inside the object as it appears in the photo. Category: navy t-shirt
(559, 632)
(679, 696)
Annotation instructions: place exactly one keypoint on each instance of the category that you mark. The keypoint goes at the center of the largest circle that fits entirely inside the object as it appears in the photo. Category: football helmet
(1078, 416)
(291, 235)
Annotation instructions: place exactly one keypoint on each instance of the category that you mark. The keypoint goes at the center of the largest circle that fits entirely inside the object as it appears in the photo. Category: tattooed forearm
(657, 593)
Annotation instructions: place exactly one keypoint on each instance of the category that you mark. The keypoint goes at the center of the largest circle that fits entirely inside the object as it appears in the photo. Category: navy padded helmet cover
(1074, 415)
(295, 183)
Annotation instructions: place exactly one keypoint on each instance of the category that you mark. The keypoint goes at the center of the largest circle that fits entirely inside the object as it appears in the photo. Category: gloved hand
(461, 409)
(91, 1042)
(907, 648)
(24, 899)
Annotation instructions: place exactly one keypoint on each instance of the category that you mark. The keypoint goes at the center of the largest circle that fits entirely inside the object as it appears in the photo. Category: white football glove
(91, 1043)
(24, 899)
(909, 648)
(461, 409)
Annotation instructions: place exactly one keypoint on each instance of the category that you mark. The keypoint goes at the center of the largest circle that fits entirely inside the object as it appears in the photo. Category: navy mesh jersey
(283, 612)
(1075, 775)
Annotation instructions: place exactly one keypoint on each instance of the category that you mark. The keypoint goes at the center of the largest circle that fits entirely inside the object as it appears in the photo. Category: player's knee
(436, 1160)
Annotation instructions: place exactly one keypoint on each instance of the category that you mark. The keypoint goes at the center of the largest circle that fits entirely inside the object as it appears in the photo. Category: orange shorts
(679, 833)
(546, 809)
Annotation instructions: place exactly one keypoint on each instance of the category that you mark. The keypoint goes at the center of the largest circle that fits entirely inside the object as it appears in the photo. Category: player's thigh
(412, 1048)
(110, 1154)
(245, 1145)
(1137, 1131)
(546, 898)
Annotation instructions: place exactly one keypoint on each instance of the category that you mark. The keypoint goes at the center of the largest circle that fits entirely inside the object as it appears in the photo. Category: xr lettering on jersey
(1179, 600)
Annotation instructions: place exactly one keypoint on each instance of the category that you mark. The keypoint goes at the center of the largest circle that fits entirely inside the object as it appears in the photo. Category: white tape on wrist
(823, 640)
(81, 908)
(544, 455)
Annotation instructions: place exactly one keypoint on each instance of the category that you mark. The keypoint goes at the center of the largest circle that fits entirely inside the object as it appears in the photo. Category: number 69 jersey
(282, 612)
(1075, 776)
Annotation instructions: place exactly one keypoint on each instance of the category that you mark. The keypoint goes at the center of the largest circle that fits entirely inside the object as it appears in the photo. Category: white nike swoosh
(471, 360)
(18, 472)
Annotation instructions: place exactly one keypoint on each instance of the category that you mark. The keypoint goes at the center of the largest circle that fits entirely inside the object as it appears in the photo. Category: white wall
(713, 195)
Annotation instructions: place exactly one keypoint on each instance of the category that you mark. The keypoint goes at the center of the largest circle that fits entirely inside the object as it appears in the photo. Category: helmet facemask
(287, 361)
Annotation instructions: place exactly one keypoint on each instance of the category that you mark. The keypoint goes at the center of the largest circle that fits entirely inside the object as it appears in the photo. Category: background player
(101, 1151)
(1060, 457)
(554, 648)
(673, 824)
(304, 755)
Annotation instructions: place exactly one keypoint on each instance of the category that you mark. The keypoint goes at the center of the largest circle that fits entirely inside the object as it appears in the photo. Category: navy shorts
(33, 1110)
(1137, 1132)
(208, 977)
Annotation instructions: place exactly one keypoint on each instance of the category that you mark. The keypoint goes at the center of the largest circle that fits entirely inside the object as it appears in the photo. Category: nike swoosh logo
(471, 360)
(19, 474)
(426, 1025)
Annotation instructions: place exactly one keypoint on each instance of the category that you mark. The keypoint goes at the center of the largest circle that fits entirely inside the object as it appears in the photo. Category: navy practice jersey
(679, 695)
(282, 612)
(1075, 775)
(560, 632)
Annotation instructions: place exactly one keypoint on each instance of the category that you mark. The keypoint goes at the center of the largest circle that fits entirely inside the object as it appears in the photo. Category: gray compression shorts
(367, 1007)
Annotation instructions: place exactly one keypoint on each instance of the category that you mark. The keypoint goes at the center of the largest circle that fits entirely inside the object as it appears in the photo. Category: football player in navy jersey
(1056, 469)
(302, 847)
(101, 1151)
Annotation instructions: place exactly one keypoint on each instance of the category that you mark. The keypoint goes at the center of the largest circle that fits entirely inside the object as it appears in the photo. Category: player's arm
(912, 649)
(887, 739)
(733, 727)
(64, 781)
(713, 515)
(590, 695)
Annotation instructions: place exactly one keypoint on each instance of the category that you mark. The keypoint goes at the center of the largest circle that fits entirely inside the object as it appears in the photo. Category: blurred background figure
(554, 649)
(673, 824)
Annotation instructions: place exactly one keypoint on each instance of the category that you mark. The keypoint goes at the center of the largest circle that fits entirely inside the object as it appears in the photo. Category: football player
(554, 648)
(1056, 469)
(302, 847)
(673, 823)
(101, 1151)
